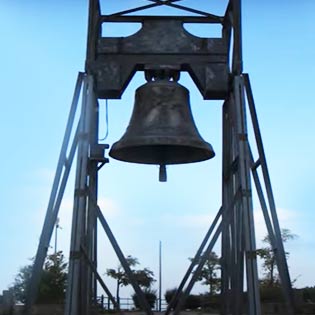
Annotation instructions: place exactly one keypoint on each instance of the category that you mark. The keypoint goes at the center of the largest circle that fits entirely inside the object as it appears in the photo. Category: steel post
(56, 194)
(76, 274)
(247, 207)
(275, 237)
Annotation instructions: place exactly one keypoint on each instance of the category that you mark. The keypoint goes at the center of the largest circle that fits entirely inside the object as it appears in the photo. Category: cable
(106, 121)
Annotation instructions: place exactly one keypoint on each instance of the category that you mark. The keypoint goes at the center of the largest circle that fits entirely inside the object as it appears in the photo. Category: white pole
(56, 234)
(160, 276)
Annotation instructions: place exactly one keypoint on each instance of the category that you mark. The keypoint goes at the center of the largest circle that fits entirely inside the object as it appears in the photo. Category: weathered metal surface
(56, 195)
(161, 42)
(162, 130)
(272, 222)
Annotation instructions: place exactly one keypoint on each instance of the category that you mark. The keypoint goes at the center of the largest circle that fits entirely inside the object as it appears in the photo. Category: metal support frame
(234, 221)
(58, 188)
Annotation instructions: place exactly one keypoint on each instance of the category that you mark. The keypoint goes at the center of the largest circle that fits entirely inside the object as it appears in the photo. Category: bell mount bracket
(117, 59)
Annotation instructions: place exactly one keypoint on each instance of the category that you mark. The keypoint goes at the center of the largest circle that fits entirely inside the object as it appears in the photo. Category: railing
(126, 304)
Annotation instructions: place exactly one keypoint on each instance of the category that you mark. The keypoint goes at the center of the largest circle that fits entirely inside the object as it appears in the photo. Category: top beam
(141, 18)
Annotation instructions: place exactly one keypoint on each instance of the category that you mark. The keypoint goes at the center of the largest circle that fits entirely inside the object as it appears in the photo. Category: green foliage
(150, 296)
(119, 274)
(209, 273)
(21, 282)
(309, 294)
(192, 301)
(54, 278)
(270, 294)
(210, 302)
(52, 285)
(144, 277)
(267, 254)
(169, 295)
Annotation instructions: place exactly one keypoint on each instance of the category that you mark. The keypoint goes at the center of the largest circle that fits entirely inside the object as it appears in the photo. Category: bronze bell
(161, 130)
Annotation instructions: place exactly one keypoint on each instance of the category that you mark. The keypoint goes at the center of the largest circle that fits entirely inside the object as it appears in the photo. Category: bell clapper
(162, 173)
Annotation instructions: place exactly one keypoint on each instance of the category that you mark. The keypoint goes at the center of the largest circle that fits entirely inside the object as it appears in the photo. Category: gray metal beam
(247, 207)
(141, 18)
(197, 272)
(193, 263)
(100, 280)
(126, 13)
(277, 238)
(237, 42)
(142, 300)
(76, 270)
(227, 195)
(58, 187)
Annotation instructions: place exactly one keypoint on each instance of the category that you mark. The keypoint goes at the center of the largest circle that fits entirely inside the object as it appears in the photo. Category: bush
(271, 294)
(169, 295)
(210, 301)
(192, 301)
(150, 296)
(309, 294)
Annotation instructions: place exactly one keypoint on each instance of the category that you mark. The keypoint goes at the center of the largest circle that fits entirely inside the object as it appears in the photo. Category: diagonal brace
(142, 300)
(193, 263)
(100, 280)
(56, 195)
(198, 270)
(276, 236)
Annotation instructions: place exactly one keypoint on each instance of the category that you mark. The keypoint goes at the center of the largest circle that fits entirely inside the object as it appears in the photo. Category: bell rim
(136, 153)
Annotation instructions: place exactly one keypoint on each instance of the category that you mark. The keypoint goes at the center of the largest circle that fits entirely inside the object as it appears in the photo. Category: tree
(52, 285)
(271, 276)
(209, 273)
(144, 277)
(20, 283)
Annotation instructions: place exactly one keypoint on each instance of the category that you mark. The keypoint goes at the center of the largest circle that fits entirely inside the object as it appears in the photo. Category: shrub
(309, 294)
(150, 296)
(192, 302)
(210, 301)
(271, 294)
(169, 295)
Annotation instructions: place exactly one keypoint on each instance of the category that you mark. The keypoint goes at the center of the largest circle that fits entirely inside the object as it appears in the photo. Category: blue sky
(43, 48)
